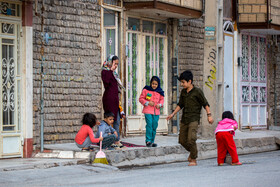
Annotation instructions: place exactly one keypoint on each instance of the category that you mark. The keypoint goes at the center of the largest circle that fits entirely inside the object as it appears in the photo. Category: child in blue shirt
(109, 134)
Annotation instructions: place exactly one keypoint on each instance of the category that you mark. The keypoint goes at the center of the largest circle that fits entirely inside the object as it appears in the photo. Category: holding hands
(151, 103)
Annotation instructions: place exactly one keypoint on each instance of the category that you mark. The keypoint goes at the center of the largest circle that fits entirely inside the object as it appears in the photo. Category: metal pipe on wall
(42, 78)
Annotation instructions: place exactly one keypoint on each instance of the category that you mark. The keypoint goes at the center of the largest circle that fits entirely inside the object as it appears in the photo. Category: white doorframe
(11, 128)
(229, 73)
(253, 82)
(135, 118)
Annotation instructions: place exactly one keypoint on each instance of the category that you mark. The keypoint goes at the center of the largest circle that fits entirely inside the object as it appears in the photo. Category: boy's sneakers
(119, 145)
(87, 149)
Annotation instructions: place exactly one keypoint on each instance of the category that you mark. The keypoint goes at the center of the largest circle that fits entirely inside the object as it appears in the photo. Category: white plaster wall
(27, 82)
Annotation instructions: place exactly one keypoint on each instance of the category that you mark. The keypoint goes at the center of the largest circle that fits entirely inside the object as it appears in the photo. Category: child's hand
(151, 103)
(234, 127)
(170, 116)
(109, 133)
(157, 106)
(101, 139)
(123, 116)
(116, 134)
(210, 119)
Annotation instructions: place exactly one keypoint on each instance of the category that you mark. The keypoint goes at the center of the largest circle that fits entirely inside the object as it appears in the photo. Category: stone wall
(191, 48)
(72, 67)
(252, 11)
(273, 83)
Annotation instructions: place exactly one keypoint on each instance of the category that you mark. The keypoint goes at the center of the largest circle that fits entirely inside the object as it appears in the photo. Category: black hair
(108, 114)
(228, 114)
(115, 58)
(89, 119)
(154, 78)
(186, 75)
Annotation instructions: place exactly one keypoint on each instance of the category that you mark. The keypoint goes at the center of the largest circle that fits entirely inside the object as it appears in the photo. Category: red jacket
(155, 97)
(83, 133)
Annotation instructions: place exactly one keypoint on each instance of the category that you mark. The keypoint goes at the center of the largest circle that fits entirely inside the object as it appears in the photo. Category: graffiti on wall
(211, 77)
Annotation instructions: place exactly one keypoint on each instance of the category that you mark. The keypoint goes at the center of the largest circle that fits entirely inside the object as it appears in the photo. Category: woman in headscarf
(113, 86)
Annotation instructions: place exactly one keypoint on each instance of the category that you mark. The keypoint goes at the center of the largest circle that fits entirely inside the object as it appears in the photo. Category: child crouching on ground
(85, 136)
(224, 137)
(109, 134)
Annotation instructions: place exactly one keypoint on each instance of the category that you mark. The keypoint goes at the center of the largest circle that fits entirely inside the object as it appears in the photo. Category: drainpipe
(175, 70)
(42, 78)
(267, 14)
(178, 83)
(275, 97)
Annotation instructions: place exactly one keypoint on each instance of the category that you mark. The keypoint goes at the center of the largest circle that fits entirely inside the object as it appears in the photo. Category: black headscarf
(158, 89)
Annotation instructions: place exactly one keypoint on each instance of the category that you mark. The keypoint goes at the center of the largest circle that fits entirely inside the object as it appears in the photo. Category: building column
(212, 70)
(27, 77)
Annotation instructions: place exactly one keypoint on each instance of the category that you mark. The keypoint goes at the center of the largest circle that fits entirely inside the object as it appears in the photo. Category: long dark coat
(110, 97)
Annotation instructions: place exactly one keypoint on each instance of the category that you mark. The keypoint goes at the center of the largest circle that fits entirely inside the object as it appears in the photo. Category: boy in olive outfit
(191, 101)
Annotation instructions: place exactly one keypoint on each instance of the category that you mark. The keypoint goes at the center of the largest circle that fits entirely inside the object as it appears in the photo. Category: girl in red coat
(224, 137)
(85, 136)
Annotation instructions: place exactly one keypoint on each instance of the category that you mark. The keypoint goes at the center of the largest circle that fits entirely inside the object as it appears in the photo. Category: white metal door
(10, 126)
(228, 73)
(253, 82)
(146, 56)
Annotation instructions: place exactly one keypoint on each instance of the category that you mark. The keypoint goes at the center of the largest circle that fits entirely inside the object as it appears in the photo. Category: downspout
(42, 76)
(175, 70)
(237, 16)
(275, 97)
(268, 20)
(178, 83)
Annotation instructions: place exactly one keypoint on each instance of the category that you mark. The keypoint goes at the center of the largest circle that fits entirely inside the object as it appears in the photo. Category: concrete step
(141, 156)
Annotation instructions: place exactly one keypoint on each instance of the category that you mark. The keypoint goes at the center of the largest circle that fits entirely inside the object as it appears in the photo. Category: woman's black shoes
(154, 145)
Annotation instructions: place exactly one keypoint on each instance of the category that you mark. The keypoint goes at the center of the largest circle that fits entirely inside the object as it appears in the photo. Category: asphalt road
(258, 170)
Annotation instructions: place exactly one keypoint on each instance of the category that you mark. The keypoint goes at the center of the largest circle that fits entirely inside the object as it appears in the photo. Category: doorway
(146, 56)
(253, 82)
(10, 125)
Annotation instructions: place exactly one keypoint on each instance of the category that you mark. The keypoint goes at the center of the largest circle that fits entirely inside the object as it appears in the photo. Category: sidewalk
(168, 151)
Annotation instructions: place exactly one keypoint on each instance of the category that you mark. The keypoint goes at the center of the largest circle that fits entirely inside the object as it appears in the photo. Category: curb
(46, 165)
(143, 156)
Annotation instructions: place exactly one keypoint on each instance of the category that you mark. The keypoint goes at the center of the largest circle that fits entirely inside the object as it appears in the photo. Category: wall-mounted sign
(210, 33)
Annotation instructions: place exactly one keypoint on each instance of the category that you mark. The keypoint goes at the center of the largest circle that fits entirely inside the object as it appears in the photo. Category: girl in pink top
(152, 98)
(224, 137)
(85, 136)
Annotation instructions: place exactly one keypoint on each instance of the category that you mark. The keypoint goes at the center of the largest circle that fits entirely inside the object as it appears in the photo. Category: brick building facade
(72, 63)
(273, 84)
(191, 48)
(72, 68)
